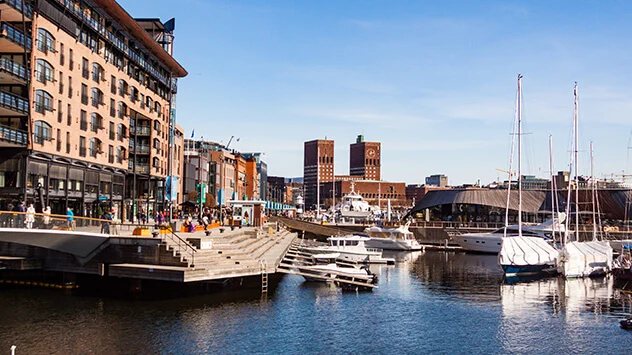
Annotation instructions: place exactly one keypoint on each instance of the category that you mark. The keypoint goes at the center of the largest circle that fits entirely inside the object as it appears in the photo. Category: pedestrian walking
(30, 216)
(70, 219)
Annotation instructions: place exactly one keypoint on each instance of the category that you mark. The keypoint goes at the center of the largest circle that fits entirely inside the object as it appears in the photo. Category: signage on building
(171, 188)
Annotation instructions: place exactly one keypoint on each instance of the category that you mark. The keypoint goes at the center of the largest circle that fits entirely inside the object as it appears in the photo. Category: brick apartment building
(86, 107)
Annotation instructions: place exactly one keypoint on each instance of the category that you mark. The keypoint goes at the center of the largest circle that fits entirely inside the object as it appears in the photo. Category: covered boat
(523, 255)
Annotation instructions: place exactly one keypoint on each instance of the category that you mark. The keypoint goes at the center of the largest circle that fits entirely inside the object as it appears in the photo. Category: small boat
(622, 265)
(399, 238)
(353, 206)
(352, 248)
(326, 269)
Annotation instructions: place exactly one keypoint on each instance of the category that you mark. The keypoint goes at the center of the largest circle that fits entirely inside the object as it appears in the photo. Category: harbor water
(429, 302)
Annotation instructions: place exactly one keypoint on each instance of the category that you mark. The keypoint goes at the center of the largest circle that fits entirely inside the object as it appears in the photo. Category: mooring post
(13, 347)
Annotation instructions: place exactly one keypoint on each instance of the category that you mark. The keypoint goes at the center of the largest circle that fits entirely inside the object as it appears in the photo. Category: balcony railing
(14, 102)
(84, 16)
(19, 5)
(140, 168)
(13, 68)
(141, 149)
(82, 151)
(140, 130)
(15, 35)
(13, 135)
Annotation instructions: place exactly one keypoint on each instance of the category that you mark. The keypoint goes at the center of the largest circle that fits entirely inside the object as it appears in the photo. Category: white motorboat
(491, 242)
(352, 248)
(354, 206)
(325, 269)
(399, 238)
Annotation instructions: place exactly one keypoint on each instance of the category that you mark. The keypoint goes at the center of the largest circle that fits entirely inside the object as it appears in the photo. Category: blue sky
(435, 82)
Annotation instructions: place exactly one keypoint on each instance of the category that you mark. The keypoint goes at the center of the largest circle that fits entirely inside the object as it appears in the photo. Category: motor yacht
(399, 238)
(352, 248)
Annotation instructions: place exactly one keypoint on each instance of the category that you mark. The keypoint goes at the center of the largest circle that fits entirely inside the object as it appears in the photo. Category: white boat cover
(525, 251)
(581, 259)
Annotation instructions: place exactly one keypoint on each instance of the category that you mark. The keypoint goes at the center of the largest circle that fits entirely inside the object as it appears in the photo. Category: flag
(193, 133)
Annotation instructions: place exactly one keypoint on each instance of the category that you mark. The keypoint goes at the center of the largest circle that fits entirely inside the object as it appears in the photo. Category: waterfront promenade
(155, 254)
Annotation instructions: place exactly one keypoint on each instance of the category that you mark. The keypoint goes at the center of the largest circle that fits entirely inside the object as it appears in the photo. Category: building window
(158, 109)
(96, 122)
(84, 68)
(82, 146)
(97, 73)
(43, 101)
(69, 115)
(61, 54)
(69, 87)
(113, 85)
(150, 103)
(60, 115)
(95, 147)
(110, 154)
(42, 132)
(120, 154)
(111, 130)
(45, 41)
(83, 121)
(97, 97)
(122, 109)
(84, 94)
(67, 142)
(121, 132)
(112, 108)
(44, 71)
(156, 162)
(133, 94)
(61, 83)
(58, 140)
(71, 62)
(123, 87)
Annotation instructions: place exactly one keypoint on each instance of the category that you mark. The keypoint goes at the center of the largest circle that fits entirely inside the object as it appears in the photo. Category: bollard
(13, 347)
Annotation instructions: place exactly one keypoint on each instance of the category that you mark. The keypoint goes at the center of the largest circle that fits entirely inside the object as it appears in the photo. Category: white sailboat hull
(580, 259)
(522, 255)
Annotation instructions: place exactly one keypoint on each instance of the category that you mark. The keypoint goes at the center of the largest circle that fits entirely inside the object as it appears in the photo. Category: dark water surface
(430, 302)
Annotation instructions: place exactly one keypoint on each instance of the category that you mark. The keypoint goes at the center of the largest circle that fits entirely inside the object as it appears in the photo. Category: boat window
(465, 240)
(477, 241)
(353, 243)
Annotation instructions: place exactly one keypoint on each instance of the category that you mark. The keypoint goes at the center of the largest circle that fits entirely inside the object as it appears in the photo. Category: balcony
(12, 73)
(13, 40)
(140, 131)
(12, 105)
(140, 168)
(141, 149)
(11, 137)
(12, 10)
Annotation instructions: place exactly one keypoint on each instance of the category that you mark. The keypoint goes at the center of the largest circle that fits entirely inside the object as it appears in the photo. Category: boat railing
(374, 250)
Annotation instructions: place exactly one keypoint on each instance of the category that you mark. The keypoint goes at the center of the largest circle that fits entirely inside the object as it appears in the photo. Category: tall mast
(519, 155)
(511, 157)
(576, 152)
(593, 191)
(553, 188)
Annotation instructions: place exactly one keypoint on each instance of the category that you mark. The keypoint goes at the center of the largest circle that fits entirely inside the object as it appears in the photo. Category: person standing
(46, 217)
(21, 210)
(30, 216)
(71, 219)
(105, 222)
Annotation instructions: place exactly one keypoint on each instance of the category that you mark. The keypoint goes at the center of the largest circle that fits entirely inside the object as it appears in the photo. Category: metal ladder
(264, 276)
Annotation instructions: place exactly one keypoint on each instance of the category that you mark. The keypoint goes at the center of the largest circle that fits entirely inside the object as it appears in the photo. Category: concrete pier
(184, 258)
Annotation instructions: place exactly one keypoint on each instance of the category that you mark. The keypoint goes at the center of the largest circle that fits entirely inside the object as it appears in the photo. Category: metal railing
(19, 5)
(13, 135)
(16, 35)
(14, 102)
(140, 130)
(180, 245)
(14, 68)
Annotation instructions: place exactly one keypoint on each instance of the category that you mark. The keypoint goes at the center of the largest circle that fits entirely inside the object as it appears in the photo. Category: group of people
(24, 217)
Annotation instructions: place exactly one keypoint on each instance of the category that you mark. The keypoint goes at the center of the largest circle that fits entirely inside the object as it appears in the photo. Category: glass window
(43, 101)
(42, 132)
(97, 72)
(45, 41)
(96, 122)
(44, 71)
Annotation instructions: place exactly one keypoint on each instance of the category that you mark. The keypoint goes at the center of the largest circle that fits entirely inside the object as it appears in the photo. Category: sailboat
(522, 254)
(588, 258)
